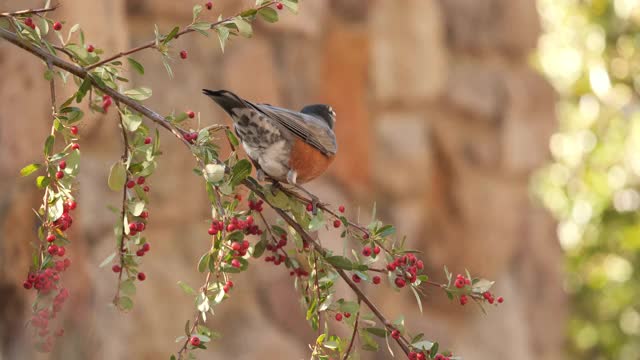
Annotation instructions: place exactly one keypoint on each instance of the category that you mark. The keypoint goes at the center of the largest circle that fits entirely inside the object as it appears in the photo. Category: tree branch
(29, 11)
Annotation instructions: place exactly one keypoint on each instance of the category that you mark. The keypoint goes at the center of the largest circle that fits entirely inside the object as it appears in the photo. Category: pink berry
(195, 341)
(183, 54)
(57, 26)
(51, 238)
(52, 249)
(235, 263)
(61, 251)
(141, 276)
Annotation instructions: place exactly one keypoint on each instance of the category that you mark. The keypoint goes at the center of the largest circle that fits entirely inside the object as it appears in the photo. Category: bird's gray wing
(310, 129)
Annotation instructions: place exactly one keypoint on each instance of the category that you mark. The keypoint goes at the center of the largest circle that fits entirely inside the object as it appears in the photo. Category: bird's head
(322, 111)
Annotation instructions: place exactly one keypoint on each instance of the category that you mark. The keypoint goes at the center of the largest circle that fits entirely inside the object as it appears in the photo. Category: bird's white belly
(273, 160)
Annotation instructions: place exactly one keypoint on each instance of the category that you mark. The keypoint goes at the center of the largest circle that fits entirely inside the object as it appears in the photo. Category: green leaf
(269, 14)
(136, 65)
(340, 262)
(422, 345)
(204, 262)
(167, 66)
(82, 90)
(48, 145)
(139, 94)
(197, 9)
(482, 285)
(386, 231)
(29, 169)
(128, 288)
(186, 288)
(131, 121)
(232, 138)
(108, 259)
(136, 207)
(174, 32)
(434, 348)
(125, 303)
(244, 27)
(42, 182)
(72, 114)
(258, 250)
(292, 5)
(117, 176)
(201, 27)
(240, 171)
(48, 74)
(415, 293)
(223, 36)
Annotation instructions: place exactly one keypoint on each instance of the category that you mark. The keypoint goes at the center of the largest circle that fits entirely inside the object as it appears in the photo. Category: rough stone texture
(440, 120)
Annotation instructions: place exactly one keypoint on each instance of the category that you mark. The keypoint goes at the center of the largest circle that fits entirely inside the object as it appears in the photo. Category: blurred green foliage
(590, 51)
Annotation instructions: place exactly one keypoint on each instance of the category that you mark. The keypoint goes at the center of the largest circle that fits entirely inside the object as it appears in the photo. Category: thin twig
(123, 238)
(355, 332)
(29, 11)
(152, 43)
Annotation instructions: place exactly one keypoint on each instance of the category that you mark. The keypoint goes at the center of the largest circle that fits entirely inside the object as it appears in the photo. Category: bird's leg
(260, 174)
(291, 179)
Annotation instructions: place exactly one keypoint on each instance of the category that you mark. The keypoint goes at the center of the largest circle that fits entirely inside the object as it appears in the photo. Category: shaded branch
(29, 11)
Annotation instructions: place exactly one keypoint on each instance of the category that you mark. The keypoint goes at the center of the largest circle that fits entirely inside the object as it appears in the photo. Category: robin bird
(288, 146)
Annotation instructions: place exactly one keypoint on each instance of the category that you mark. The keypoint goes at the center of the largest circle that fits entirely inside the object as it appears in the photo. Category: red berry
(74, 130)
(400, 282)
(420, 356)
(140, 252)
(355, 278)
(209, 5)
(366, 251)
(338, 317)
(57, 26)
(235, 263)
(463, 299)
(62, 165)
(27, 285)
(61, 251)
(459, 283)
(183, 54)
(75, 146)
(309, 207)
(67, 263)
(195, 341)
(59, 175)
(191, 114)
(500, 299)
(144, 214)
(52, 249)
(279, 6)
(212, 231)
(229, 284)
(146, 188)
(395, 334)
(90, 48)
(116, 268)
(439, 357)
(347, 315)
(413, 355)
(140, 180)
(376, 279)
(51, 238)
(336, 223)
(131, 184)
(376, 250)
(147, 140)
(365, 236)
(72, 204)
(146, 247)
(141, 276)
(341, 208)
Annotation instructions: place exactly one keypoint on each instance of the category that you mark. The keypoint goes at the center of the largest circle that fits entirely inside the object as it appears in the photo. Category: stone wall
(440, 121)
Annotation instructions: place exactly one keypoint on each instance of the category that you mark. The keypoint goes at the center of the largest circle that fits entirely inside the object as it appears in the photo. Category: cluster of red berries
(276, 259)
(256, 205)
(46, 280)
(65, 220)
(299, 272)
(191, 137)
(40, 320)
(278, 245)
(490, 299)
(140, 181)
(340, 315)
(227, 286)
(461, 281)
(29, 22)
(368, 250)
(356, 279)
(240, 248)
(406, 268)
(143, 249)
(61, 166)
(422, 355)
(106, 102)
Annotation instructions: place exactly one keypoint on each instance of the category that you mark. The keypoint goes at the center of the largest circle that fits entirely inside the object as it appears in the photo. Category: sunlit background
(590, 52)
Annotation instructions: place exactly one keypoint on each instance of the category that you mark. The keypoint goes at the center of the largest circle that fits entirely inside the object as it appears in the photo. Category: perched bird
(288, 146)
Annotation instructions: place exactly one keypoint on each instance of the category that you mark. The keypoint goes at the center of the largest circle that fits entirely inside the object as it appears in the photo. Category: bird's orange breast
(307, 161)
